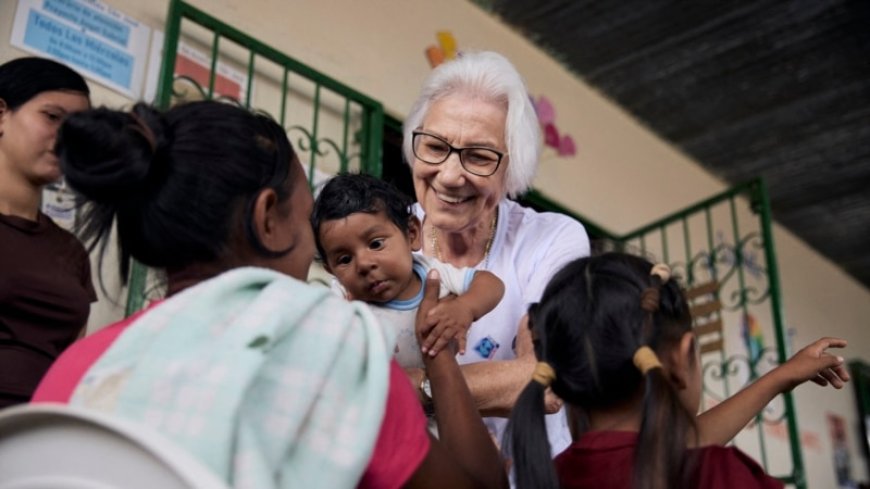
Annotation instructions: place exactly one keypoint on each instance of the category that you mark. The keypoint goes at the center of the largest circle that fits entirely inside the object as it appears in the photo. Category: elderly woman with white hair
(473, 141)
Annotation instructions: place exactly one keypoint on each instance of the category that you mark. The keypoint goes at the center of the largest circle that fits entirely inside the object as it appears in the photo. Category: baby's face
(370, 256)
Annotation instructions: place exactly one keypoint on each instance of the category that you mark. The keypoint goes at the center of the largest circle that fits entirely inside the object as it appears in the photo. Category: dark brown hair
(588, 325)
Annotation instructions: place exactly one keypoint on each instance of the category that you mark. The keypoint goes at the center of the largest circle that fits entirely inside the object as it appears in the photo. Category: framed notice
(100, 42)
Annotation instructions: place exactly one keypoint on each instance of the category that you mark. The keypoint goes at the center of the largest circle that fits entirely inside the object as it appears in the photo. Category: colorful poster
(753, 337)
(100, 42)
(195, 65)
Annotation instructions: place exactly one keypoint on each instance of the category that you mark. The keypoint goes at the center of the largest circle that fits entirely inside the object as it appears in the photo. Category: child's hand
(449, 320)
(816, 364)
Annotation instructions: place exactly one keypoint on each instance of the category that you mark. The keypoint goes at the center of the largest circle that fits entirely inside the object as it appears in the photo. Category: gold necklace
(433, 235)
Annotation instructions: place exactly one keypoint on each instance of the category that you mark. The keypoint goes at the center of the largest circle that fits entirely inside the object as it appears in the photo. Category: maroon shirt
(45, 297)
(605, 460)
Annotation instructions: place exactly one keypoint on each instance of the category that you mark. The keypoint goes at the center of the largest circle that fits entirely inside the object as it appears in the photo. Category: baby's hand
(450, 319)
(816, 364)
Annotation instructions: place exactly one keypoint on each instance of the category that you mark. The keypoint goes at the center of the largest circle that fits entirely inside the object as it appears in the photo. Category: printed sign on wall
(95, 39)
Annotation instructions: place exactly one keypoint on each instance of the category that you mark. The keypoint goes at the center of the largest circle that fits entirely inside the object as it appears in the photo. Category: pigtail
(661, 441)
(660, 456)
(526, 437)
(528, 444)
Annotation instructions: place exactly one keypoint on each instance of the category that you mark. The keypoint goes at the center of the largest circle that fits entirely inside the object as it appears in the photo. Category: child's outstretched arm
(720, 424)
(451, 318)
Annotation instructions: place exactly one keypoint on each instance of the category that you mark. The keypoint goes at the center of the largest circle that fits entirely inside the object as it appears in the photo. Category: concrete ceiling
(764, 88)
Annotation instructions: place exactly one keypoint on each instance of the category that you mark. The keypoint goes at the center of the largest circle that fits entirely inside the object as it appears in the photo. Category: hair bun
(110, 156)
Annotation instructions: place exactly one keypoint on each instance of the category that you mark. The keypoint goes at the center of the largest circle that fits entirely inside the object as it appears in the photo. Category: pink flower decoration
(551, 136)
(545, 110)
(566, 146)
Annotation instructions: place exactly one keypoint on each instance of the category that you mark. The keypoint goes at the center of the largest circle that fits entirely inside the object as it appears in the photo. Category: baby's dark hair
(349, 193)
(178, 182)
(24, 78)
(593, 316)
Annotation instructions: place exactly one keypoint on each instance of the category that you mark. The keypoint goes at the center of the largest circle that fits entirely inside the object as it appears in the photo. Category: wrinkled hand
(449, 319)
(525, 346)
(814, 363)
(423, 326)
(552, 402)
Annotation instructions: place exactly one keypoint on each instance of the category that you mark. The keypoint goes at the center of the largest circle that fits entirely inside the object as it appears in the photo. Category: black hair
(587, 327)
(24, 78)
(178, 182)
(350, 193)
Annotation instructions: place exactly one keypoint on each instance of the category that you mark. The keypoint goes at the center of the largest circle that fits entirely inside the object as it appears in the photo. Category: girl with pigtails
(613, 338)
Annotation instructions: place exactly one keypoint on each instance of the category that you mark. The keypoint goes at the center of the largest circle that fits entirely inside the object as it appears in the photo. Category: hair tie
(662, 271)
(645, 359)
(649, 299)
(544, 374)
(144, 130)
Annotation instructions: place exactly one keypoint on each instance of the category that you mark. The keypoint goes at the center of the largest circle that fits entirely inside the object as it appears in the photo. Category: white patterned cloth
(271, 382)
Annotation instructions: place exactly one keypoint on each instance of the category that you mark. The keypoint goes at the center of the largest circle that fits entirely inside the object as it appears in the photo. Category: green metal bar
(711, 245)
(284, 90)
(665, 254)
(250, 79)
(312, 162)
(374, 144)
(738, 264)
(714, 273)
(136, 288)
(170, 53)
(344, 136)
(212, 76)
(690, 279)
(799, 477)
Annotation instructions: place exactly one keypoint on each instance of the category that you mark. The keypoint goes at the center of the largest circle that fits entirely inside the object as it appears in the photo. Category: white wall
(624, 175)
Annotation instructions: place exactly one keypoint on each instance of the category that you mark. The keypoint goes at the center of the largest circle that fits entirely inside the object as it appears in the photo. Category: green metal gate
(727, 241)
(333, 127)
(723, 247)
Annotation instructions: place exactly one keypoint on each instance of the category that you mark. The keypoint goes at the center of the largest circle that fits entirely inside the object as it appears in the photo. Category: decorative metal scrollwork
(738, 371)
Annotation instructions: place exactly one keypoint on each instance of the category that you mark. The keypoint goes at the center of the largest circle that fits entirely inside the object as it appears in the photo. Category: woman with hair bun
(269, 381)
(45, 275)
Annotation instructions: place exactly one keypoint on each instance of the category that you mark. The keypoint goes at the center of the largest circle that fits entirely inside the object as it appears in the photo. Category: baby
(366, 235)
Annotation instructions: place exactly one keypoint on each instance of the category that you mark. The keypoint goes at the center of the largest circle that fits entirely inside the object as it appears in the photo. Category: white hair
(492, 77)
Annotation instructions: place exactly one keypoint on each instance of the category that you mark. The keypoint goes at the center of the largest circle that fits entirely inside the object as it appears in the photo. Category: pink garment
(401, 446)
(605, 460)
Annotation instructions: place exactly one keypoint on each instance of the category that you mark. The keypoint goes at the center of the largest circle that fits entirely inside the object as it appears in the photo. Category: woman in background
(45, 276)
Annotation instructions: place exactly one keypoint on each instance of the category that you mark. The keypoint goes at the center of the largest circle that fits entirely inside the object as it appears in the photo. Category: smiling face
(28, 135)
(454, 199)
(370, 256)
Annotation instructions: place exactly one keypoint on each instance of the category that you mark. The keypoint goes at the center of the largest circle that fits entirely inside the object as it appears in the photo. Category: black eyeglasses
(433, 150)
